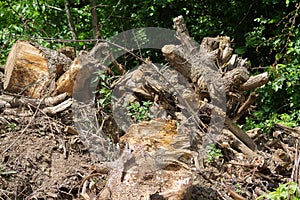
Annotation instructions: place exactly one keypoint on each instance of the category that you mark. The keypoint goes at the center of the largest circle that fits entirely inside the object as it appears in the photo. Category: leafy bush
(104, 92)
(285, 191)
(279, 100)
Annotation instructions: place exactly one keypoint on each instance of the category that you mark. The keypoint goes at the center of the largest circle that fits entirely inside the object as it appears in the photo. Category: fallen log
(255, 81)
(58, 108)
(49, 105)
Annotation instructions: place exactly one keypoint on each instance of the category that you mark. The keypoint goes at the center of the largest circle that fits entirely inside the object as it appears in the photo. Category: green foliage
(266, 32)
(47, 18)
(279, 100)
(26, 19)
(285, 191)
(140, 112)
(11, 127)
(213, 153)
(238, 188)
(104, 91)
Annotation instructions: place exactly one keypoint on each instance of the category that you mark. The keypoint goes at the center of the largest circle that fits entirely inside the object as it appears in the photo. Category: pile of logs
(163, 155)
(211, 69)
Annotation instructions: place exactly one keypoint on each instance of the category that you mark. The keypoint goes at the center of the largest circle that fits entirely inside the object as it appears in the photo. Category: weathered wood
(58, 108)
(244, 107)
(219, 47)
(238, 144)
(179, 61)
(212, 67)
(255, 81)
(31, 69)
(175, 57)
(50, 101)
(234, 78)
(152, 170)
(9, 101)
(238, 132)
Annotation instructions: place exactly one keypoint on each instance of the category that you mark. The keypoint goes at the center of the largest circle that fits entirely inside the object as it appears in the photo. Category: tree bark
(94, 20)
(70, 21)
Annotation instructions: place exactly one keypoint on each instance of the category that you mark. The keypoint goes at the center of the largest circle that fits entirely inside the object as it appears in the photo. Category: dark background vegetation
(265, 31)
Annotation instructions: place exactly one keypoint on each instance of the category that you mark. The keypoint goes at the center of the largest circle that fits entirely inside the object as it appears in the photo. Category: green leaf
(240, 50)
(287, 2)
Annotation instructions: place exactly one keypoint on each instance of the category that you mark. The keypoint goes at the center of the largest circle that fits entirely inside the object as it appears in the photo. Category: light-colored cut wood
(66, 82)
(26, 70)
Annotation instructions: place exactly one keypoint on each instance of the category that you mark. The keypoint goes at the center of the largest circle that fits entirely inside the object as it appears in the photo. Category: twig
(23, 131)
(296, 170)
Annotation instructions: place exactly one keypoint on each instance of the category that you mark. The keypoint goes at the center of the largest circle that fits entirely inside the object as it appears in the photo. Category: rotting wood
(152, 169)
(244, 107)
(203, 65)
(214, 60)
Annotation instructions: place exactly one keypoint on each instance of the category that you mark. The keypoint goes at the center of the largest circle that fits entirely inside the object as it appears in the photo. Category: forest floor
(40, 160)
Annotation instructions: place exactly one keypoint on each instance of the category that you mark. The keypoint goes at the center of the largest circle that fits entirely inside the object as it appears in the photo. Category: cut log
(31, 69)
(26, 70)
(65, 83)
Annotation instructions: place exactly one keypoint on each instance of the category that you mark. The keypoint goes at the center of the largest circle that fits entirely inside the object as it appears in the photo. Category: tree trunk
(94, 20)
(70, 21)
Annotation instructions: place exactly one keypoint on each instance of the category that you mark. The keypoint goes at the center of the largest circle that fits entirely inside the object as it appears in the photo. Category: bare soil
(39, 160)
